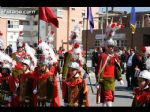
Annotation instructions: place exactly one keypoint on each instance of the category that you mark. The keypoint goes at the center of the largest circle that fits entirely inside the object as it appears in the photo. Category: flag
(46, 14)
(90, 18)
(133, 20)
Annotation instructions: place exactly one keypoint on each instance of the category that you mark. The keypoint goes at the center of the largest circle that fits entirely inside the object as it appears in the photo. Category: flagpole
(86, 35)
(38, 25)
(87, 49)
(132, 40)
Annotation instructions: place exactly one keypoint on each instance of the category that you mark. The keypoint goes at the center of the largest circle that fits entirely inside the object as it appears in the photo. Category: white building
(17, 19)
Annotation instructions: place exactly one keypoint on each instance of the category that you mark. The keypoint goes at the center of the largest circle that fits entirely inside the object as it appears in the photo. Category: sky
(128, 9)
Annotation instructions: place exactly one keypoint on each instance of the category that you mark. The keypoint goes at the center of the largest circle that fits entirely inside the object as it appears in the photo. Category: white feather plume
(5, 58)
(1, 43)
(48, 52)
(78, 55)
(75, 35)
(31, 52)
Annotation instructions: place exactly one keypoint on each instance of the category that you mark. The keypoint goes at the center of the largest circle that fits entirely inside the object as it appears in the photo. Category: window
(13, 24)
(35, 23)
(60, 12)
(73, 20)
(98, 42)
(138, 24)
(24, 22)
(73, 8)
(121, 43)
(83, 14)
(118, 43)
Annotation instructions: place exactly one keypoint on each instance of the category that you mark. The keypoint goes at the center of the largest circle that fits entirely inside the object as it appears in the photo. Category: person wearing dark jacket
(94, 57)
(131, 64)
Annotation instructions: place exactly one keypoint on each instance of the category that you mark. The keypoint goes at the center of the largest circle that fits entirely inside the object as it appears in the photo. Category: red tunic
(39, 77)
(106, 75)
(24, 86)
(142, 98)
(71, 87)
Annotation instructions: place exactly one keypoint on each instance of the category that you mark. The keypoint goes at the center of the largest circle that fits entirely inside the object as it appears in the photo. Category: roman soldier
(142, 93)
(18, 57)
(20, 49)
(53, 67)
(46, 89)
(77, 50)
(108, 69)
(74, 89)
(6, 94)
(26, 80)
(7, 80)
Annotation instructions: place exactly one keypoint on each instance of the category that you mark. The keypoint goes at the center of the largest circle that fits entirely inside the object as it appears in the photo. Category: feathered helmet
(30, 59)
(7, 61)
(75, 35)
(110, 32)
(47, 56)
(78, 54)
(50, 38)
(1, 41)
(20, 40)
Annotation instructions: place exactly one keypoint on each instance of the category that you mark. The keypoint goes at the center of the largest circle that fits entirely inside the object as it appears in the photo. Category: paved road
(123, 97)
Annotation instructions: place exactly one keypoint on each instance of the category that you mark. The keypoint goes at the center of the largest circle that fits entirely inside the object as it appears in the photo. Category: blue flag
(133, 20)
(90, 18)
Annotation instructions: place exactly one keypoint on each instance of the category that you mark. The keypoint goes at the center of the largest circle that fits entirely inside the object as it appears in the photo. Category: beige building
(68, 17)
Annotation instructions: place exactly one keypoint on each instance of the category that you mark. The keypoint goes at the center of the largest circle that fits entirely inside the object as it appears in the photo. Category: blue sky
(128, 9)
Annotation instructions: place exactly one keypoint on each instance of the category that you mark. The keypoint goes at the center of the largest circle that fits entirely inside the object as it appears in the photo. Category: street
(123, 97)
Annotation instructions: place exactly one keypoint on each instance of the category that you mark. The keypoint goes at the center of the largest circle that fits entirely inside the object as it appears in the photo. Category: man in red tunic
(26, 80)
(107, 71)
(46, 88)
(5, 85)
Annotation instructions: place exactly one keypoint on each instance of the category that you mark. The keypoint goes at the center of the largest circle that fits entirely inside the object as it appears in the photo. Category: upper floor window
(13, 24)
(138, 24)
(24, 22)
(73, 20)
(35, 23)
(59, 12)
(73, 8)
(83, 14)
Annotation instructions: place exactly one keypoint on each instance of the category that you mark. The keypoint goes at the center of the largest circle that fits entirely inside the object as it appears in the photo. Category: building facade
(123, 36)
(68, 18)
(16, 19)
